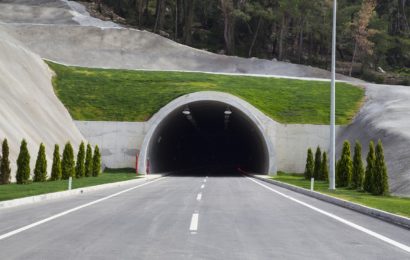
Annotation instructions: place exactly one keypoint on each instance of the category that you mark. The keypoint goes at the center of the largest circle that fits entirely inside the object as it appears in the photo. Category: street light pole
(332, 185)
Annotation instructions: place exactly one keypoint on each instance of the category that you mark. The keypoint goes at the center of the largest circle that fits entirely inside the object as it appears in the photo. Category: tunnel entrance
(207, 134)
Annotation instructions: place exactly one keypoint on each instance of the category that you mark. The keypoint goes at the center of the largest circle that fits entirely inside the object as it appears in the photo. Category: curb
(376, 213)
(67, 193)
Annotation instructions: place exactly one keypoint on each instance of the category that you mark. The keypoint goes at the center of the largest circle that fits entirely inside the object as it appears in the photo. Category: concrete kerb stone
(380, 214)
(78, 191)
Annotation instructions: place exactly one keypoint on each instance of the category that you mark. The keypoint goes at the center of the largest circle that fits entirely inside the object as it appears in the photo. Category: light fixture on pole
(332, 182)
(227, 113)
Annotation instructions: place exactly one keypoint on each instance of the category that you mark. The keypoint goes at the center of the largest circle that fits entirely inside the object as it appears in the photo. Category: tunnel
(207, 134)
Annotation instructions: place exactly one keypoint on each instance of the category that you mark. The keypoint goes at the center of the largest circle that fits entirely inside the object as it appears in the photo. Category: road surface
(196, 217)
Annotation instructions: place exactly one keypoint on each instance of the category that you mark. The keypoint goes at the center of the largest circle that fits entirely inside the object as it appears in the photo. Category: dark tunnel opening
(207, 135)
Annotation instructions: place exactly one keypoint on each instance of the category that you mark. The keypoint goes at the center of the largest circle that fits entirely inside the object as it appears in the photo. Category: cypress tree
(67, 164)
(325, 167)
(317, 172)
(358, 168)
(56, 168)
(345, 166)
(80, 168)
(368, 176)
(40, 170)
(89, 161)
(5, 170)
(380, 178)
(96, 162)
(23, 164)
(309, 165)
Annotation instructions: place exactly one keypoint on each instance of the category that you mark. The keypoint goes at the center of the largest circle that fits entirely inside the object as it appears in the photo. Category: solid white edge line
(27, 227)
(194, 222)
(199, 197)
(342, 220)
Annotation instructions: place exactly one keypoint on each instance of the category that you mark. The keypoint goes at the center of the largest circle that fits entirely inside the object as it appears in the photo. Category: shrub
(40, 170)
(325, 167)
(309, 165)
(89, 161)
(23, 164)
(80, 167)
(96, 162)
(368, 176)
(317, 172)
(5, 170)
(358, 168)
(345, 165)
(67, 165)
(56, 168)
(380, 177)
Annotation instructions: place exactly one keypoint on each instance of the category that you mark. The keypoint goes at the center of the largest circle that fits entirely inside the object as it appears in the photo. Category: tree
(40, 170)
(309, 165)
(23, 164)
(358, 168)
(317, 172)
(371, 161)
(345, 166)
(56, 167)
(67, 165)
(380, 177)
(89, 162)
(325, 167)
(96, 162)
(80, 168)
(5, 170)
(228, 9)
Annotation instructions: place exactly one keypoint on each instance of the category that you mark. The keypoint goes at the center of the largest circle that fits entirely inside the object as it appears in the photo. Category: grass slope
(125, 95)
(392, 204)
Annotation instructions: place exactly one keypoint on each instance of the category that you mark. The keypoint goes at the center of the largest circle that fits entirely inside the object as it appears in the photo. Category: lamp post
(332, 182)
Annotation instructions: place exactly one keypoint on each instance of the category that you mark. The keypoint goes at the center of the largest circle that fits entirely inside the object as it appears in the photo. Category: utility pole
(332, 182)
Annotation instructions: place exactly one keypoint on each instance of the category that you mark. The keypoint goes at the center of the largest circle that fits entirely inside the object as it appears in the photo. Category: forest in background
(373, 35)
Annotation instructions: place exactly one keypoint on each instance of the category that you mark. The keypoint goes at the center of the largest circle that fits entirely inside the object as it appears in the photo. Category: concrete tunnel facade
(207, 129)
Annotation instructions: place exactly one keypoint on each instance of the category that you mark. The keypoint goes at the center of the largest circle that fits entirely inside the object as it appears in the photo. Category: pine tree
(345, 166)
(89, 162)
(40, 170)
(23, 164)
(380, 177)
(317, 172)
(371, 160)
(358, 168)
(56, 168)
(5, 170)
(67, 165)
(325, 167)
(309, 165)
(80, 168)
(96, 162)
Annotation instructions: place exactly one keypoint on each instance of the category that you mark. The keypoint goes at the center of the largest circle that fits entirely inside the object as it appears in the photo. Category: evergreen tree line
(87, 164)
(350, 172)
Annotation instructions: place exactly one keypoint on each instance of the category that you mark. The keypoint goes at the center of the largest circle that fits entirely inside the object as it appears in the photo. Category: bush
(325, 167)
(67, 165)
(56, 168)
(89, 162)
(368, 176)
(23, 164)
(309, 165)
(358, 168)
(344, 168)
(40, 170)
(380, 177)
(96, 162)
(317, 172)
(5, 170)
(80, 167)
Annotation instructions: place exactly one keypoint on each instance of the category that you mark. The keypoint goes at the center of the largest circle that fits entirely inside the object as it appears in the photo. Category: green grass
(392, 204)
(14, 191)
(125, 95)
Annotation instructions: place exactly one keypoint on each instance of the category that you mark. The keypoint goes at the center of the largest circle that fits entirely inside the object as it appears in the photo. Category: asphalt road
(196, 217)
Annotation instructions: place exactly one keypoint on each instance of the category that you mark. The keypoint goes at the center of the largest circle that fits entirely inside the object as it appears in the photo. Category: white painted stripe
(199, 197)
(194, 222)
(204, 180)
(35, 224)
(202, 186)
(207, 177)
(342, 220)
